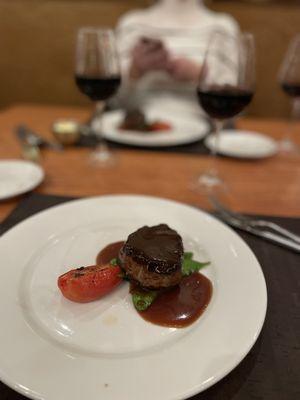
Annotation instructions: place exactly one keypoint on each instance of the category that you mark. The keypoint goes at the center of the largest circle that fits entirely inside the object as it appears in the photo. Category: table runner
(192, 148)
(271, 370)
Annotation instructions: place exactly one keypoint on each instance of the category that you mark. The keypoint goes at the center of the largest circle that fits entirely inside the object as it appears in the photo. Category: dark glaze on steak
(153, 256)
(159, 247)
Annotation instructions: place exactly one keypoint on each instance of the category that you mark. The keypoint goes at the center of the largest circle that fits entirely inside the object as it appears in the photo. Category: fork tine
(237, 218)
(223, 209)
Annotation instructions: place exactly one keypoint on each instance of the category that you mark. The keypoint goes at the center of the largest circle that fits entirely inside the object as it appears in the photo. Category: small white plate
(243, 144)
(184, 130)
(52, 348)
(17, 177)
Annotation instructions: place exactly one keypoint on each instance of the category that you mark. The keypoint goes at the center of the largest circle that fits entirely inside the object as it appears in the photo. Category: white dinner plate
(52, 348)
(17, 177)
(184, 130)
(243, 144)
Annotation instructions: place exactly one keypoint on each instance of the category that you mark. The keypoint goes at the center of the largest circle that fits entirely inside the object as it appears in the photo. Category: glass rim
(95, 29)
(232, 35)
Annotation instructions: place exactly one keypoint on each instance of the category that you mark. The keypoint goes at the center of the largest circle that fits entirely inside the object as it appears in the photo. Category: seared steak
(152, 256)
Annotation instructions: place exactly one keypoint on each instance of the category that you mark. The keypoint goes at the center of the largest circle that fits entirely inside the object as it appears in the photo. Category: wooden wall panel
(37, 40)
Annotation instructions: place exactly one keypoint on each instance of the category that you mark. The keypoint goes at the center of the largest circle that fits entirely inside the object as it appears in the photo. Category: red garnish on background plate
(160, 126)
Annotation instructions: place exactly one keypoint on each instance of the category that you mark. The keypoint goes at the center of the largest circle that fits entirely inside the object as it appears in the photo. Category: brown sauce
(176, 307)
(181, 305)
(108, 253)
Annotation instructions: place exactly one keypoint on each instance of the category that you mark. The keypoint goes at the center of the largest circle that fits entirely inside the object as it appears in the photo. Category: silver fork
(255, 223)
(259, 228)
(26, 135)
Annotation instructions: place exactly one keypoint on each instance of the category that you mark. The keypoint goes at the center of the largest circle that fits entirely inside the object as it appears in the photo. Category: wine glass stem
(97, 116)
(218, 127)
(295, 110)
(101, 155)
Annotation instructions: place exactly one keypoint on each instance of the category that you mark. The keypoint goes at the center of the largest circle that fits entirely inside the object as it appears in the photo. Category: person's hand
(183, 69)
(148, 55)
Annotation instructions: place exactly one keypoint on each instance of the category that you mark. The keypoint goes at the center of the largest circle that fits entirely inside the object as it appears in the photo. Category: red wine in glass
(97, 75)
(291, 88)
(98, 88)
(289, 79)
(223, 102)
(225, 88)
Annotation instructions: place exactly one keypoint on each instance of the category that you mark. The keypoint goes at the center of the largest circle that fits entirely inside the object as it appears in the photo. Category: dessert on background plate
(136, 120)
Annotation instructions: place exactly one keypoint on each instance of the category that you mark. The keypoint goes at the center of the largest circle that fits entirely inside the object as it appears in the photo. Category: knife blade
(270, 236)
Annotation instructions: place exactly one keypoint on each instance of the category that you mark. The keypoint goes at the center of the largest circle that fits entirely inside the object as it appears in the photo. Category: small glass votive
(66, 131)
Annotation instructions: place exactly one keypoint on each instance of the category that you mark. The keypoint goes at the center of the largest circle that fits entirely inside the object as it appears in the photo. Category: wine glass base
(209, 181)
(102, 157)
(288, 147)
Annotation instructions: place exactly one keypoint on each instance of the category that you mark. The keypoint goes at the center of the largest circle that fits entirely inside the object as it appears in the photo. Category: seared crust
(152, 256)
(149, 279)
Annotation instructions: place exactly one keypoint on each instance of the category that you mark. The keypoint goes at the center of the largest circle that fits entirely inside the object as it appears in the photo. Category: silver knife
(270, 236)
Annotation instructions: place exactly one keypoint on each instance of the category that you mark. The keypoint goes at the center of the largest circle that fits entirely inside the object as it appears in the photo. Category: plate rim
(197, 388)
(245, 132)
(29, 187)
(183, 141)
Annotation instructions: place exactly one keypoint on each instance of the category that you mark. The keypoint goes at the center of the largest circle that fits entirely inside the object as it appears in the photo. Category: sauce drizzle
(109, 252)
(181, 305)
(176, 307)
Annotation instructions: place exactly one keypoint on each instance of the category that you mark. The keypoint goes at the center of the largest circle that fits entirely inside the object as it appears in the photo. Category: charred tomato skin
(90, 283)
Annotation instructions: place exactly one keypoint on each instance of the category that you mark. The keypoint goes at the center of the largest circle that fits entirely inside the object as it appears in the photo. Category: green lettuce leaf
(143, 299)
(189, 265)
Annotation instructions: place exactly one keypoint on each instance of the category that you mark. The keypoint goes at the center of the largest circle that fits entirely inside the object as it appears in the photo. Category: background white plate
(17, 177)
(184, 130)
(51, 348)
(243, 144)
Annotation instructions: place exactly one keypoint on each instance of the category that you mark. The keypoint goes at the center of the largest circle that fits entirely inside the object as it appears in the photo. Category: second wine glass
(226, 87)
(97, 75)
(289, 78)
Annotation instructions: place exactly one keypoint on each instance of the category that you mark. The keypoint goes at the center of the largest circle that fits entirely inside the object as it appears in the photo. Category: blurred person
(162, 48)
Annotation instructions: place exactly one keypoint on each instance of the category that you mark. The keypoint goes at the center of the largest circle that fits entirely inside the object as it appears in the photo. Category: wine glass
(225, 88)
(97, 75)
(289, 78)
